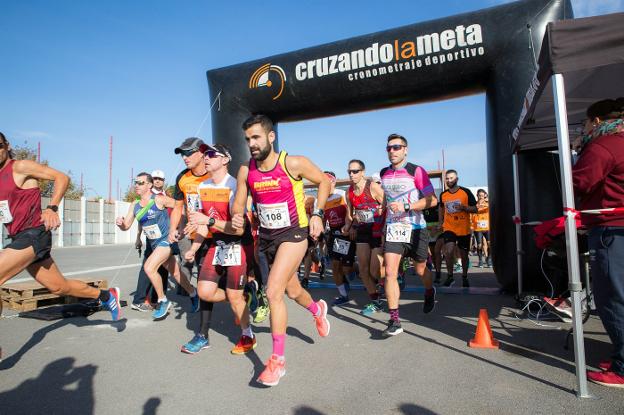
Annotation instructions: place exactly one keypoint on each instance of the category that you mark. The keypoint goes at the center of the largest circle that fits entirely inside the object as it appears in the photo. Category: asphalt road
(92, 366)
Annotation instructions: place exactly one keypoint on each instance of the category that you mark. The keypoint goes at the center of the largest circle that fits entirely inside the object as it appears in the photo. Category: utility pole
(39, 152)
(110, 170)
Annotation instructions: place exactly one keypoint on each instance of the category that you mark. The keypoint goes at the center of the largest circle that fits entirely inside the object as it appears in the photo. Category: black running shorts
(38, 238)
(416, 248)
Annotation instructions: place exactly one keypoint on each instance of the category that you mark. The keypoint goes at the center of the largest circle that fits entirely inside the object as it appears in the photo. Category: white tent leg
(567, 191)
(519, 251)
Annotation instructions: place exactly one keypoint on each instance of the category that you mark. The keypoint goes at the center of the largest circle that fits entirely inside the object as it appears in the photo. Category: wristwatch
(211, 222)
(319, 212)
(406, 206)
(53, 208)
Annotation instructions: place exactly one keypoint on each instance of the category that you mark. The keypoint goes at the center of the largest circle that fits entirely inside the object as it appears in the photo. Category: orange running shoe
(322, 324)
(274, 370)
(244, 345)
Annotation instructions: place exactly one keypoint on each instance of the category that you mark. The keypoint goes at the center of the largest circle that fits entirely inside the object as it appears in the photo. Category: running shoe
(198, 343)
(429, 303)
(480, 264)
(449, 282)
(465, 282)
(457, 267)
(142, 307)
(162, 309)
(244, 345)
(371, 308)
(262, 313)
(274, 370)
(322, 324)
(113, 304)
(488, 263)
(606, 378)
(195, 303)
(340, 300)
(394, 328)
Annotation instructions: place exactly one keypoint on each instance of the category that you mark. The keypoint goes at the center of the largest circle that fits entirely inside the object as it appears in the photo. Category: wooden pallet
(27, 296)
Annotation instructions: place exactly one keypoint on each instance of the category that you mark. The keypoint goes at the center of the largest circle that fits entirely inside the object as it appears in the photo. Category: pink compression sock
(313, 308)
(279, 343)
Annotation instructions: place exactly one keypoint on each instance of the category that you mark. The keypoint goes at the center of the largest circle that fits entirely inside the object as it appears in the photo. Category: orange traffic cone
(315, 267)
(483, 338)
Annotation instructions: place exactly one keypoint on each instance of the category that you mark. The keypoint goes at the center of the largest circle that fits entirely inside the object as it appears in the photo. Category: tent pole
(516, 179)
(567, 191)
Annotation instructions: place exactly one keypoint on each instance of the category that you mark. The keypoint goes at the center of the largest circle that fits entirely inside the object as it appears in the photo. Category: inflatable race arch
(493, 50)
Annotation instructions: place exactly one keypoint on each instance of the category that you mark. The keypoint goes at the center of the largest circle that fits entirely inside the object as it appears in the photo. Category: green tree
(46, 186)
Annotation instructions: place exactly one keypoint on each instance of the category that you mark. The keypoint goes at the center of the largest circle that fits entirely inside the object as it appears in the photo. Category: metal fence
(86, 222)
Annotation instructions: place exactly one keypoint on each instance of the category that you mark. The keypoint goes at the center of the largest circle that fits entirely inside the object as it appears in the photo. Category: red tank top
(366, 209)
(20, 209)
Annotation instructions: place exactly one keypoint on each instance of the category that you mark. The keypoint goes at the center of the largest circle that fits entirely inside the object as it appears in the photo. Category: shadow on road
(60, 388)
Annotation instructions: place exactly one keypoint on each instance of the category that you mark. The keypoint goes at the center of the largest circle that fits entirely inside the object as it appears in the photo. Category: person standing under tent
(598, 178)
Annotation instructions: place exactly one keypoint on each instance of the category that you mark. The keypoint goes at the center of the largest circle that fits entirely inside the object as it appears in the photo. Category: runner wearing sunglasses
(187, 200)
(365, 223)
(408, 192)
(230, 256)
(150, 211)
(339, 245)
(30, 229)
(275, 182)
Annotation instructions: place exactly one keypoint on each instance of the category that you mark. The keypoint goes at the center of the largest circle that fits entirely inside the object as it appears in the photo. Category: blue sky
(74, 73)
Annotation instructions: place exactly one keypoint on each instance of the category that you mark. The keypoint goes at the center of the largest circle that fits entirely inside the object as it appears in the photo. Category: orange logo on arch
(260, 78)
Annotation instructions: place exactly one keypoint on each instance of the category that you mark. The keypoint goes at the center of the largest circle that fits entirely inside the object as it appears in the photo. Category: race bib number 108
(274, 216)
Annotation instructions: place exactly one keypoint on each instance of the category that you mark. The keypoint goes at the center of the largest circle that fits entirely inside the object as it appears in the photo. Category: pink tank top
(279, 198)
(20, 209)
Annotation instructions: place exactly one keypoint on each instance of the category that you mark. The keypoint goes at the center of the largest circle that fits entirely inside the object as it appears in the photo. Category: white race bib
(398, 232)
(364, 216)
(193, 203)
(341, 246)
(152, 231)
(482, 224)
(227, 255)
(451, 206)
(5, 212)
(274, 216)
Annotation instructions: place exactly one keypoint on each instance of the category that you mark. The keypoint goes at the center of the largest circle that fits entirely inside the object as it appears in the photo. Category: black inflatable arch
(491, 50)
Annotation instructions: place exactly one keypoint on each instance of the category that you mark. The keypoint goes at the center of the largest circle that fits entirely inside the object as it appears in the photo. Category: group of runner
(255, 230)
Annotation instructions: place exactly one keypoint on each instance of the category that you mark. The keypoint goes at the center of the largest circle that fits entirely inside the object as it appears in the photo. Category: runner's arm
(164, 201)
(176, 215)
(377, 192)
(30, 169)
(240, 200)
(124, 222)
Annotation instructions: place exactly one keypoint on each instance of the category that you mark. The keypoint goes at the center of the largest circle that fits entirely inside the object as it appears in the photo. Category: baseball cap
(221, 149)
(191, 143)
(158, 173)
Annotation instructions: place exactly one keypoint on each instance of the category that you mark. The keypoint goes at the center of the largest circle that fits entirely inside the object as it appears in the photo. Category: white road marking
(87, 271)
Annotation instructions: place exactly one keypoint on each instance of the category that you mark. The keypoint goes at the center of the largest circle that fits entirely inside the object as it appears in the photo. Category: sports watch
(319, 212)
(53, 208)
(406, 206)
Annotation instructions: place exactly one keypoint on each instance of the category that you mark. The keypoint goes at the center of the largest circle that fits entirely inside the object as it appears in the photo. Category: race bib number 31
(227, 255)
(399, 232)
(274, 216)
(5, 212)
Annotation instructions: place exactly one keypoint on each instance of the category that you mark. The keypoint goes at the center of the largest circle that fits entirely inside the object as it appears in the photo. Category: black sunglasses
(395, 147)
(139, 182)
(188, 153)
(354, 171)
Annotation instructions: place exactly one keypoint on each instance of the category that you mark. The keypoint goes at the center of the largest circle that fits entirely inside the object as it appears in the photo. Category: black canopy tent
(581, 61)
